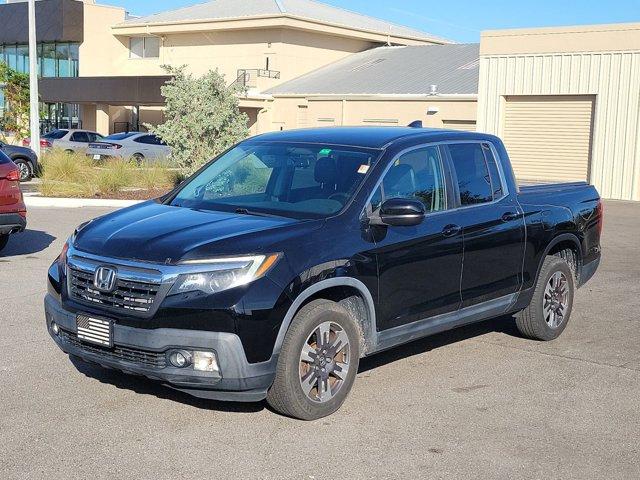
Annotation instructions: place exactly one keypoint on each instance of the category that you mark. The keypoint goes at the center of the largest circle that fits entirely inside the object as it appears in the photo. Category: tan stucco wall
(290, 52)
(612, 77)
(100, 48)
(287, 111)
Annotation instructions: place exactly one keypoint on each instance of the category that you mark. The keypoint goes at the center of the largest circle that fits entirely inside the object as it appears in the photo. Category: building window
(144, 47)
(54, 59)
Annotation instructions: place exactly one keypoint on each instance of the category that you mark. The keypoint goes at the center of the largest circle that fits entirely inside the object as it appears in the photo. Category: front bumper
(239, 380)
(12, 223)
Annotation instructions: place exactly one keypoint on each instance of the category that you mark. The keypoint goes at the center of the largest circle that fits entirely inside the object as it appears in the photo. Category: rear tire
(318, 362)
(26, 169)
(138, 159)
(547, 315)
(4, 239)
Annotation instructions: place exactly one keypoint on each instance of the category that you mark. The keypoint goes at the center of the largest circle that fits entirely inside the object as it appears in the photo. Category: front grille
(133, 355)
(127, 295)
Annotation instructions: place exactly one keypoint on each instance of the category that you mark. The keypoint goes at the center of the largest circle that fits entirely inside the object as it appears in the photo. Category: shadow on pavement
(27, 242)
(144, 386)
(504, 324)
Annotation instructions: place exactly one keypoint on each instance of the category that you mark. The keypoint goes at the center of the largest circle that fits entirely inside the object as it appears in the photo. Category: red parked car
(13, 213)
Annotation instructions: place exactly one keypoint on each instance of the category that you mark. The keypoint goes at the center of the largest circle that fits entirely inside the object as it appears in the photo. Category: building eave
(381, 96)
(269, 21)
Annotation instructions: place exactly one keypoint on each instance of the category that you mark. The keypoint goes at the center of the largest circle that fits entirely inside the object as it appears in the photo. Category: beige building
(566, 101)
(260, 44)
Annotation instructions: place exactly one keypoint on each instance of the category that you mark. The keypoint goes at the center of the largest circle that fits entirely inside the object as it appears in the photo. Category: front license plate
(95, 330)
(96, 157)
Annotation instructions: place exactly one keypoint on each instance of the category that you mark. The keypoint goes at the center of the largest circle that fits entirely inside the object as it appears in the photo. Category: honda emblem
(105, 279)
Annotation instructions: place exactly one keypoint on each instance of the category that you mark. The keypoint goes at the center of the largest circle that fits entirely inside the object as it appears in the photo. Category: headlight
(225, 273)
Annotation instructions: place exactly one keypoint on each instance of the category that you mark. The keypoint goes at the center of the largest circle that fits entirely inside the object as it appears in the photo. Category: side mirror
(399, 212)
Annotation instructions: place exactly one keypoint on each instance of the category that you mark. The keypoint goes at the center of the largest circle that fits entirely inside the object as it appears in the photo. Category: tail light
(600, 209)
(44, 143)
(13, 176)
(102, 145)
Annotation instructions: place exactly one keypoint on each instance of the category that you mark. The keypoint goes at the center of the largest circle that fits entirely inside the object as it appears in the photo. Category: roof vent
(368, 64)
(434, 90)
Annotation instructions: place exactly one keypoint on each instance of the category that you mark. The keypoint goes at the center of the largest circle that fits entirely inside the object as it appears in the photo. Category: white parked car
(67, 139)
(132, 145)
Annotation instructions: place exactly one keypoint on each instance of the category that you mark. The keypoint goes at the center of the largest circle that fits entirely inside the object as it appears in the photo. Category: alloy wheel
(556, 300)
(324, 362)
(25, 171)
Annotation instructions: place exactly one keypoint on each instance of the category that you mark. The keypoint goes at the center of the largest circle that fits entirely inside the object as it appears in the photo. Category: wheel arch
(562, 242)
(19, 156)
(364, 314)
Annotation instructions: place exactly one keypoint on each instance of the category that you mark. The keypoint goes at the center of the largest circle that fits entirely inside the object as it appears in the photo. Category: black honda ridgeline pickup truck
(277, 266)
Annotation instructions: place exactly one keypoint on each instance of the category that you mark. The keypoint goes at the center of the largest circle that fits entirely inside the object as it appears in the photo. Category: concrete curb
(47, 202)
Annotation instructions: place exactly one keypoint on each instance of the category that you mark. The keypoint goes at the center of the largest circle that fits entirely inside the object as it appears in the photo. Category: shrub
(202, 115)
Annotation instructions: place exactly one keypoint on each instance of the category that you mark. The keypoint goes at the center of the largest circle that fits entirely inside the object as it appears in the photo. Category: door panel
(419, 266)
(493, 251)
(492, 223)
(419, 271)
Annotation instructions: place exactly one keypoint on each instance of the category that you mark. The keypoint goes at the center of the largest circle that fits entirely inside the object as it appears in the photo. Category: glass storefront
(54, 60)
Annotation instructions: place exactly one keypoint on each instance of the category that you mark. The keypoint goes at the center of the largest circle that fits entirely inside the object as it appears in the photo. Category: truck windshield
(288, 179)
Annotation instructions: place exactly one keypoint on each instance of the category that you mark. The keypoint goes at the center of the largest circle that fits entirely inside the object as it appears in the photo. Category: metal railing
(246, 76)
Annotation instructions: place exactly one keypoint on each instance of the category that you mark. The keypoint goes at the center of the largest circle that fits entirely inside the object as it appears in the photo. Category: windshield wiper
(245, 211)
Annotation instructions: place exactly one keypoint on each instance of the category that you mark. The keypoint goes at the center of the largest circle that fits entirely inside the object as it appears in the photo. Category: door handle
(510, 216)
(451, 230)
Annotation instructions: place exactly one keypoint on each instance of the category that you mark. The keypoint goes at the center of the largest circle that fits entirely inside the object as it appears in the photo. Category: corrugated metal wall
(612, 77)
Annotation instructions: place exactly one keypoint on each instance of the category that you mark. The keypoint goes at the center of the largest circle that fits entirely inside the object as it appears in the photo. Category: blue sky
(460, 20)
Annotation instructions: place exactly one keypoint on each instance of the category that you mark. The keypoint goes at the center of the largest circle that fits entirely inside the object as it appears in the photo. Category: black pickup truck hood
(153, 232)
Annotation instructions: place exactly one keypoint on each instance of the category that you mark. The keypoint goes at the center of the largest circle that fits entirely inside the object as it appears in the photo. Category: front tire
(548, 314)
(318, 362)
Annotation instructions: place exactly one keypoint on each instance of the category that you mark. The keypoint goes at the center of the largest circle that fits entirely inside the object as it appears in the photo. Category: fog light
(205, 362)
(180, 358)
(54, 328)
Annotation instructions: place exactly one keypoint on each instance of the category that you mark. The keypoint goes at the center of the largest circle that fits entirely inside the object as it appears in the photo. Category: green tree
(15, 117)
(202, 117)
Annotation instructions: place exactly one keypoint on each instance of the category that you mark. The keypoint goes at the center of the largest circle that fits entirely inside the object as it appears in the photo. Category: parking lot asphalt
(477, 402)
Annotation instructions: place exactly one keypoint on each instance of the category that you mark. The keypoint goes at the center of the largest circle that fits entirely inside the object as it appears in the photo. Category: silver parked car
(68, 139)
(132, 145)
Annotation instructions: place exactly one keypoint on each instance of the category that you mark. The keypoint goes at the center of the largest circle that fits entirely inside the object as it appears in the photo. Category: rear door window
(55, 134)
(82, 137)
(472, 171)
(146, 139)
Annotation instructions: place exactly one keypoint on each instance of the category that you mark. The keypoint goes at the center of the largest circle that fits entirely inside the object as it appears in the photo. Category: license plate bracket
(97, 331)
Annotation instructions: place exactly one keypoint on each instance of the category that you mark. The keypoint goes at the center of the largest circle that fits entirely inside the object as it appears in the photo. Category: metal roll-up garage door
(549, 137)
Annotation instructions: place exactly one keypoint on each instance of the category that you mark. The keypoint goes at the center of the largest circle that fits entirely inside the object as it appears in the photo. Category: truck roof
(368, 137)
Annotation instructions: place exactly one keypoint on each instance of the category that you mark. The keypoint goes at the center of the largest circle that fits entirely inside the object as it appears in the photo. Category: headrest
(400, 180)
(326, 171)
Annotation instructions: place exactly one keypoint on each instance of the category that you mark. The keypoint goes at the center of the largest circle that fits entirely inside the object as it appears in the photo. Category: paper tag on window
(363, 169)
